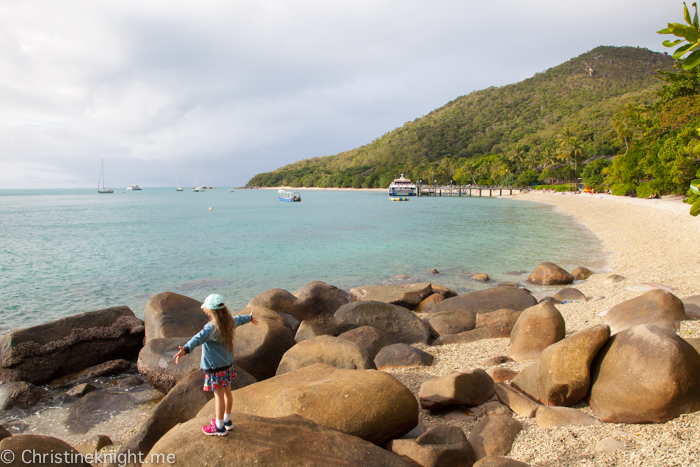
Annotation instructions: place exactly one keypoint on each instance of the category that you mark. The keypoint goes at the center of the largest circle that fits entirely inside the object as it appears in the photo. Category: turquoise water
(69, 251)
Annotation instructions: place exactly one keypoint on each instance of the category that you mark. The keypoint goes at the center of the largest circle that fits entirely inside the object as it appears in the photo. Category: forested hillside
(498, 134)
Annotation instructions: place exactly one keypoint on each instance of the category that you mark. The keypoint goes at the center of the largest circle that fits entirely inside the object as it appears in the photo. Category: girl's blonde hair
(223, 321)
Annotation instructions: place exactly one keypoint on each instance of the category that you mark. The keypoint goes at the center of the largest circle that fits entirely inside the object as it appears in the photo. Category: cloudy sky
(229, 89)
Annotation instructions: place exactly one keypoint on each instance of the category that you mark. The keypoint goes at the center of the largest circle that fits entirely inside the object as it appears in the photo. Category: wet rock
(581, 273)
(452, 321)
(334, 351)
(369, 404)
(128, 382)
(43, 447)
(369, 338)
(481, 277)
(110, 368)
(433, 271)
(19, 394)
(570, 294)
(500, 322)
(494, 435)
(645, 374)
(443, 445)
(537, 328)
(550, 417)
(97, 407)
(429, 303)
(485, 301)
(404, 295)
(472, 388)
(93, 445)
(550, 274)
(43, 353)
(400, 325)
(657, 307)
(516, 400)
(168, 315)
(402, 356)
(80, 390)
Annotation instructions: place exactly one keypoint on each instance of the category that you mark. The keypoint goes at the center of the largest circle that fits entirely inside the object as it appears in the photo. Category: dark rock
(500, 322)
(657, 307)
(4, 433)
(42, 353)
(401, 356)
(645, 374)
(429, 303)
(399, 324)
(550, 274)
(19, 394)
(581, 273)
(516, 400)
(284, 441)
(169, 315)
(472, 388)
(485, 301)
(344, 400)
(494, 435)
(537, 328)
(433, 271)
(93, 445)
(464, 337)
(110, 368)
(452, 321)
(43, 447)
(80, 390)
(128, 382)
(570, 294)
(550, 417)
(369, 338)
(333, 351)
(404, 295)
(443, 445)
(97, 407)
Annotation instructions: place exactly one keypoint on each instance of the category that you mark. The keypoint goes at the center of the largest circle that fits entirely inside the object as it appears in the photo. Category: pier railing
(425, 190)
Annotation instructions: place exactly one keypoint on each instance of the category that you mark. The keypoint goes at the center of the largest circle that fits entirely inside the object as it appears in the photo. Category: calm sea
(64, 252)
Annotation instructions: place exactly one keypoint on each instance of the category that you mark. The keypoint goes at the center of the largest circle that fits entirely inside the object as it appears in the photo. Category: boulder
(581, 273)
(158, 367)
(692, 307)
(444, 291)
(110, 368)
(279, 300)
(472, 388)
(496, 408)
(369, 338)
(318, 326)
(369, 404)
(404, 295)
(645, 374)
(285, 441)
(318, 299)
(97, 407)
(464, 337)
(401, 356)
(550, 417)
(613, 279)
(443, 445)
(657, 307)
(334, 351)
(516, 400)
(168, 315)
(485, 301)
(80, 390)
(4, 433)
(550, 274)
(429, 303)
(433, 271)
(399, 324)
(261, 312)
(493, 435)
(571, 294)
(452, 321)
(93, 445)
(562, 374)
(19, 394)
(127, 382)
(492, 461)
(481, 277)
(260, 348)
(42, 353)
(35, 447)
(500, 322)
(537, 328)
(499, 374)
(694, 342)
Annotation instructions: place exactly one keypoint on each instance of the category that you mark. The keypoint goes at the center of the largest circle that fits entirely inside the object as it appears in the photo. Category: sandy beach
(648, 241)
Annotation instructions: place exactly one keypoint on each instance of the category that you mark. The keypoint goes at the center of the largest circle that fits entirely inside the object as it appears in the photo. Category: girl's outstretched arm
(178, 355)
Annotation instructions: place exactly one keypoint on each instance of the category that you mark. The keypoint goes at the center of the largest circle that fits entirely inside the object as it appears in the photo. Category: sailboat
(198, 187)
(179, 188)
(102, 181)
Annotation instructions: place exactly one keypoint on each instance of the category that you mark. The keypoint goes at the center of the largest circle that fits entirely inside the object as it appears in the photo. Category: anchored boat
(285, 195)
(402, 187)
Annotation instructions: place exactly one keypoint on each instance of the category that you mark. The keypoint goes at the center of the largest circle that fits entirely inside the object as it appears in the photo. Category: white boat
(281, 190)
(102, 181)
(402, 187)
(293, 196)
(199, 187)
(179, 188)
(133, 188)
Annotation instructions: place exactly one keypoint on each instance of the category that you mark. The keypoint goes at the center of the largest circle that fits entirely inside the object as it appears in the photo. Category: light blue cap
(213, 302)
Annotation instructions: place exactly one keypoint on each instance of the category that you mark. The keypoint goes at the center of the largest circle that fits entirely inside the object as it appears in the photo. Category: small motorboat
(293, 196)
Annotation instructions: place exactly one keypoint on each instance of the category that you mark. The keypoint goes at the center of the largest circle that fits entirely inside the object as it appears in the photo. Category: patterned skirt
(221, 379)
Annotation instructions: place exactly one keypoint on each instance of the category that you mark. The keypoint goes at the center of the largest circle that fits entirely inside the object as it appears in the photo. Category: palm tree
(447, 165)
(626, 120)
(548, 157)
(518, 157)
(531, 160)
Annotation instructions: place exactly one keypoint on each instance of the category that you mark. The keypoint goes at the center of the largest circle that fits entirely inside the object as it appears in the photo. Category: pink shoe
(228, 425)
(211, 430)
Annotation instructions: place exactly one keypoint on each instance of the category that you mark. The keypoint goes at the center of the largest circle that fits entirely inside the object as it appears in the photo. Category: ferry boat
(133, 188)
(402, 187)
(285, 195)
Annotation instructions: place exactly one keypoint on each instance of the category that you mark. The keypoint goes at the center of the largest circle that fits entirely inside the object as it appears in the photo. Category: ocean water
(65, 252)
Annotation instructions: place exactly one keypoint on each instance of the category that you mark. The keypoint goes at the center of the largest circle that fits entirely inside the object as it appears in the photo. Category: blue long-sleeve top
(215, 357)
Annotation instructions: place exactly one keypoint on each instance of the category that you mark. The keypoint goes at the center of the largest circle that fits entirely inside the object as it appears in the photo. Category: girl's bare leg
(220, 403)
(228, 400)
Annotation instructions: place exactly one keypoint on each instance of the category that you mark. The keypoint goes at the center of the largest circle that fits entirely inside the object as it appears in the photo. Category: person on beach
(216, 340)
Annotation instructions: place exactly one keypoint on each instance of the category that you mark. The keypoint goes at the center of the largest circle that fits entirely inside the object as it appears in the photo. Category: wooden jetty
(425, 190)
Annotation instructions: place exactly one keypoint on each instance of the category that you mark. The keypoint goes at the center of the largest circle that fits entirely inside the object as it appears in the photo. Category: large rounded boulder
(405, 295)
(169, 315)
(369, 404)
(52, 452)
(400, 325)
(472, 388)
(369, 338)
(537, 328)
(657, 307)
(452, 321)
(260, 348)
(330, 350)
(550, 274)
(645, 374)
(488, 300)
(314, 299)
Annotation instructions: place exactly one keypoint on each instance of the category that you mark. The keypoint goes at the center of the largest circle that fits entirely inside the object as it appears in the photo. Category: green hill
(582, 95)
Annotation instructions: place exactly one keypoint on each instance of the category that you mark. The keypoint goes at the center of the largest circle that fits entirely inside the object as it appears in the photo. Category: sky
(222, 90)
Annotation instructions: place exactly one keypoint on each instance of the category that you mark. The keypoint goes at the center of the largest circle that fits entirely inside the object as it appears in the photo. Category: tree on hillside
(626, 120)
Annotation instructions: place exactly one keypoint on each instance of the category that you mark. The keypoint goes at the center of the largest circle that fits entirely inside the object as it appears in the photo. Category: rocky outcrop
(400, 325)
(369, 404)
(493, 435)
(289, 440)
(43, 353)
(404, 295)
(581, 273)
(333, 351)
(168, 315)
(657, 307)
(369, 338)
(562, 374)
(472, 388)
(550, 274)
(441, 446)
(401, 356)
(537, 328)
(645, 374)
(310, 301)
(485, 301)
(44, 447)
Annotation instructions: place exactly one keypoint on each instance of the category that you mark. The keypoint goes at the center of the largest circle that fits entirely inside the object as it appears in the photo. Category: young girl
(216, 340)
